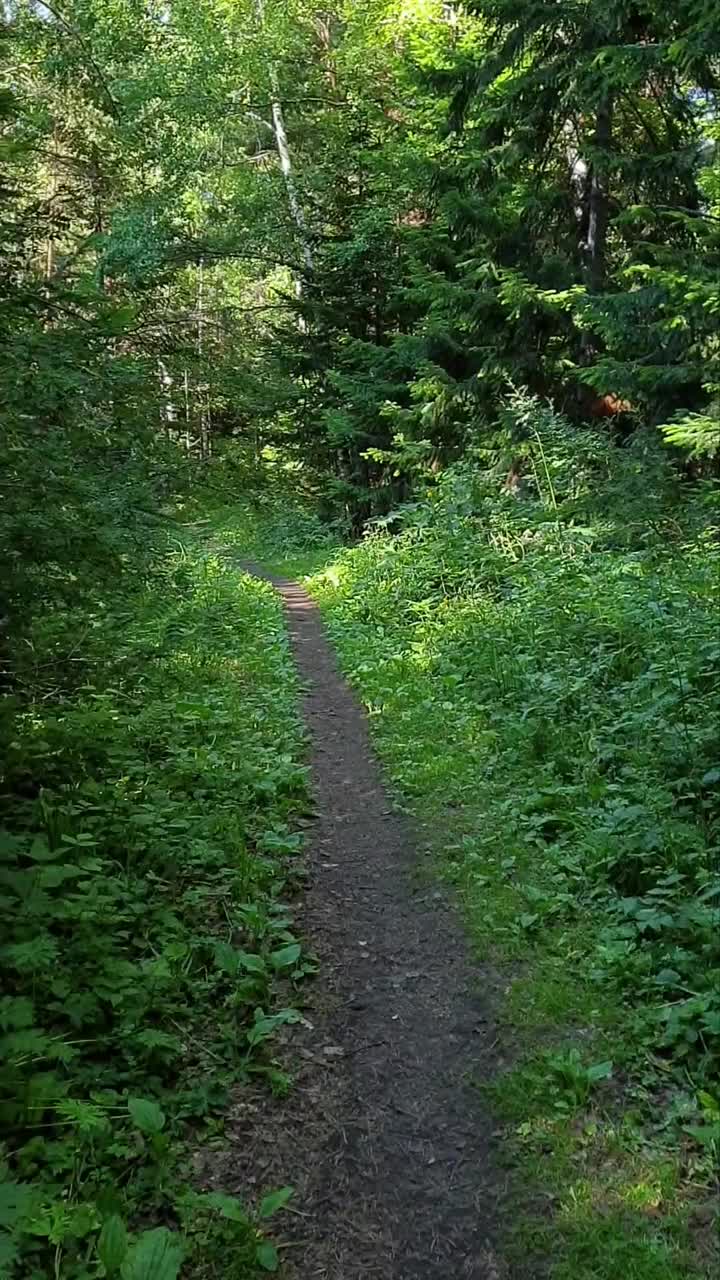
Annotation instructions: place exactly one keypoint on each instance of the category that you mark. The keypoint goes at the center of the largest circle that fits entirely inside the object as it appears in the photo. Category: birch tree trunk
(598, 201)
(54, 187)
(203, 389)
(286, 166)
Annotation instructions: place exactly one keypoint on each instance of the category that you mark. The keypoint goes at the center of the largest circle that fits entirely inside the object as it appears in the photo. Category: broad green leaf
(668, 978)
(528, 919)
(226, 957)
(284, 957)
(232, 961)
(146, 1115)
(157, 1255)
(251, 962)
(266, 1256)
(227, 1206)
(39, 851)
(600, 1071)
(52, 877)
(266, 1024)
(274, 1201)
(113, 1244)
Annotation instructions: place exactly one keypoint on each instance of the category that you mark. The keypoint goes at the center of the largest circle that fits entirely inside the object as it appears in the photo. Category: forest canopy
(349, 234)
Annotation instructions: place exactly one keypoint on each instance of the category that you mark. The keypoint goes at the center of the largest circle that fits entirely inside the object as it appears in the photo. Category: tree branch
(72, 31)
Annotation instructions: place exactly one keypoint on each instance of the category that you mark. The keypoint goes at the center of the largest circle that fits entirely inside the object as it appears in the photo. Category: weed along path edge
(383, 1136)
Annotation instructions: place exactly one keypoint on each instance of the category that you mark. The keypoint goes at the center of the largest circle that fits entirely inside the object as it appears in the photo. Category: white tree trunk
(203, 389)
(281, 142)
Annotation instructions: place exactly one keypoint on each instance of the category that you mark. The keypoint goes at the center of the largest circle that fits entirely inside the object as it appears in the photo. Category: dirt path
(387, 1145)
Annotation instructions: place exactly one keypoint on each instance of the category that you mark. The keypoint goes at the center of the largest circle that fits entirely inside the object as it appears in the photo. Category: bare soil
(383, 1136)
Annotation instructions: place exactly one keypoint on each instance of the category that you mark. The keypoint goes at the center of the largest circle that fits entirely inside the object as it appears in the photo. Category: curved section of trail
(383, 1136)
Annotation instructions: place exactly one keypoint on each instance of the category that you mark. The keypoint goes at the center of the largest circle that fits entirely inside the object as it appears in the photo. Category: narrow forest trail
(386, 1142)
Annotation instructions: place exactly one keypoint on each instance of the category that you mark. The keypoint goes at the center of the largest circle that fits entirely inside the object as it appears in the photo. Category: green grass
(153, 773)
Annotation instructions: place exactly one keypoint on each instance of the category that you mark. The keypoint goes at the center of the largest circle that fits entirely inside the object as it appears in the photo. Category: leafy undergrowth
(152, 776)
(564, 648)
(287, 538)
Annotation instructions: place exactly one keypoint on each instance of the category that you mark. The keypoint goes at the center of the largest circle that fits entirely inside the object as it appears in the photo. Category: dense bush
(151, 774)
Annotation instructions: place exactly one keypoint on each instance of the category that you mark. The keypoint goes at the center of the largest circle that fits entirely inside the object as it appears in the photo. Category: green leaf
(157, 1255)
(16, 1200)
(266, 1024)
(252, 963)
(227, 1206)
(231, 961)
(8, 1254)
(668, 978)
(40, 852)
(113, 1244)
(274, 1201)
(52, 877)
(285, 956)
(16, 1012)
(266, 1256)
(34, 955)
(600, 1071)
(528, 919)
(226, 958)
(146, 1115)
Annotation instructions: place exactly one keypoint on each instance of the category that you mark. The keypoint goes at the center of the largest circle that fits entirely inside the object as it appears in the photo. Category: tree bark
(323, 26)
(286, 166)
(203, 390)
(599, 200)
